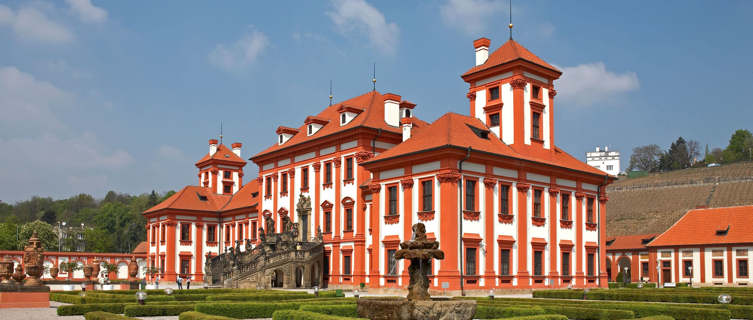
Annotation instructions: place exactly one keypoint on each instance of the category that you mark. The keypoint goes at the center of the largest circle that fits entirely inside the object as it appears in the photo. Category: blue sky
(123, 95)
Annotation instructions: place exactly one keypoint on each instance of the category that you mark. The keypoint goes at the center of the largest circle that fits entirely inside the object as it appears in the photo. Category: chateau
(509, 208)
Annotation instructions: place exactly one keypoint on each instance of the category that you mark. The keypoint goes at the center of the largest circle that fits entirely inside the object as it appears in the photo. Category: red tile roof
(372, 116)
(197, 198)
(222, 154)
(637, 241)
(142, 248)
(508, 52)
(246, 197)
(708, 227)
(454, 130)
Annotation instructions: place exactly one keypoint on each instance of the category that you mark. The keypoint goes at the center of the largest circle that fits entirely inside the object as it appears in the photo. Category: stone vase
(6, 270)
(133, 269)
(95, 269)
(19, 275)
(34, 272)
(88, 271)
(54, 272)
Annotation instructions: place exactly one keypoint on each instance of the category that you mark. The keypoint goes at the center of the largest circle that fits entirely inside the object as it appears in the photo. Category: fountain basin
(404, 309)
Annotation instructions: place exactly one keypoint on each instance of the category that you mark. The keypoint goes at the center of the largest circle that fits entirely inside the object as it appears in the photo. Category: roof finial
(330, 92)
(510, 25)
(220, 132)
(373, 78)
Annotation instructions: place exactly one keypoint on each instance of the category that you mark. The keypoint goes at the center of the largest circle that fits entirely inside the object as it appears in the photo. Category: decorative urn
(6, 270)
(19, 275)
(54, 272)
(133, 268)
(95, 268)
(33, 261)
(88, 271)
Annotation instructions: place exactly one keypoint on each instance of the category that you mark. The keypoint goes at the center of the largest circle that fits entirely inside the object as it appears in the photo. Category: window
(211, 233)
(494, 120)
(536, 92)
(407, 113)
(268, 186)
(494, 93)
(392, 194)
(590, 210)
(185, 266)
(591, 265)
(240, 232)
(311, 129)
(226, 189)
(470, 195)
(154, 234)
(162, 232)
(185, 232)
(392, 263)
(227, 233)
(426, 195)
(328, 173)
(470, 261)
(226, 174)
(566, 264)
(565, 206)
(644, 269)
(343, 118)
(349, 219)
(742, 268)
(280, 139)
(718, 269)
(348, 168)
(504, 199)
(535, 123)
(253, 230)
(538, 263)
(284, 184)
(504, 262)
(687, 266)
(327, 221)
(305, 178)
(346, 265)
(537, 203)
(610, 167)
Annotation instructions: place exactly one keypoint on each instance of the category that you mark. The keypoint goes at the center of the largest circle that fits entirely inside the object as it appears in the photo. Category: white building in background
(604, 160)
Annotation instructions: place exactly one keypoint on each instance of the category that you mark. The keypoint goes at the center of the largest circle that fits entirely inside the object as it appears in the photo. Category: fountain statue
(418, 305)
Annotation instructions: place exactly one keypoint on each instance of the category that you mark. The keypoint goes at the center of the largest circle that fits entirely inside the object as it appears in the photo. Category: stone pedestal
(18, 296)
(404, 309)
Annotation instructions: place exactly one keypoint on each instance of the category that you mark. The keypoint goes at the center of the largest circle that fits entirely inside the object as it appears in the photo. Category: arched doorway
(277, 278)
(609, 270)
(624, 263)
(298, 277)
(315, 274)
(325, 271)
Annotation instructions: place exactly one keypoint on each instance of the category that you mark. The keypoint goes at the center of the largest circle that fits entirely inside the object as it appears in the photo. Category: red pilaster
(518, 91)
(199, 254)
(579, 223)
(603, 282)
(170, 258)
(553, 225)
(703, 265)
(523, 274)
(374, 275)
(730, 273)
(489, 216)
(408, 220)
(448, 235)
(553, 93)
(317, 201)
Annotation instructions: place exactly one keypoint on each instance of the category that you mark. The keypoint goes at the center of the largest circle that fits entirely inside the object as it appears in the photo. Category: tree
(694, 150)
(740, 146)
(645, 158)
(8, 236)
(153, 199)
(49, 216)
(98, 240)
(44, 231)
(679, 156)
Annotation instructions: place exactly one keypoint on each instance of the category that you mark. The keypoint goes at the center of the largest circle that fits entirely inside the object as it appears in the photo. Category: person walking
(179, 280)
(156, 282)
(188, 283)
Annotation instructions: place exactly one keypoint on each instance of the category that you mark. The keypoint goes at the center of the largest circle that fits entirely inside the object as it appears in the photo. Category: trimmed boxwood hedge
(80, 309)
(258, 297)
(343, 310)
(491, 311)
(656, 318)
(193, 315)
(156, 310)
(65, 298)
(305, 315)
(589, 313)
(538, 317)
(650, 295)
(101, 315)
(246, 310)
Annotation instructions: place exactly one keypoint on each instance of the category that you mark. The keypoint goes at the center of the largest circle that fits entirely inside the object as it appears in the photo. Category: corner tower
(221, 170)
(512, 92)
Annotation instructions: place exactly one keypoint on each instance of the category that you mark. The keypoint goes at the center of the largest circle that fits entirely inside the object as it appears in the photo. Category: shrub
(258, 297)
(491, 312)
(80, 309)
(539, 317)
(101, 315)
(156, 310)
(305, 315)
(656, 318)
(346, 310)
(558, 294)
(245, 310)
(585, 313)
(620, 277)
(193, 315)
(330, 293)
(66, 298)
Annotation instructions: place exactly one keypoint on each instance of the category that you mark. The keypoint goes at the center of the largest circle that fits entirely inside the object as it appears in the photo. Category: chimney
(392, 109)
(598, 149)
(237, 148)
(407, 124)
(482, 50)
(606, 148)
(212, 147)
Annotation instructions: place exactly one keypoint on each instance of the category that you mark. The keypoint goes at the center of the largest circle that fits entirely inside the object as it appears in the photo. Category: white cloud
(87, 12)
(361, 17)
(28, 103)
(241, 53)
(471, 16)
(31, 24)
(591, 83)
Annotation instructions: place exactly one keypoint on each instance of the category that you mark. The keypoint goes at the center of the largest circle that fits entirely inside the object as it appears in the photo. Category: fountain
(418, 304)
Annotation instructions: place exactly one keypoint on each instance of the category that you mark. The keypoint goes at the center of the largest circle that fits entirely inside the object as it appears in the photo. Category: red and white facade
(709, 246)
(531, 214)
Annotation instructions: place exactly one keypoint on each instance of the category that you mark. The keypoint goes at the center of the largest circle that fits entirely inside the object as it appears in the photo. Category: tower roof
(509, 52)
(223, 154)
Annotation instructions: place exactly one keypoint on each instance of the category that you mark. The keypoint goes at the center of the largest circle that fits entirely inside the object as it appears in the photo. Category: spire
(373, 78)
(330, 92)
(510, 25)
(220, 132)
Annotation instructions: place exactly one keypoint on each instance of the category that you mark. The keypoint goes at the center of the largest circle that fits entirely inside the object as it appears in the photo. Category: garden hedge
(491, 311)
(156, 310)
(589, 313)
(538, 317)
(649, 295)
(258, 297)
(656, 318)
(245, 310)
(343, 310)
(193, 315)
(101, 315)
(305, 315)
(80, 309)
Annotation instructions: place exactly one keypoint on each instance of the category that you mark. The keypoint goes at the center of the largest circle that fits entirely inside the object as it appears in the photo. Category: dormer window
(406, 109)
(536, 92)
(310, 129)
(494, 93)
(282, 139)
(407, 113)
(348, 113)
(313, 124)
(343, 118)
(285, 133)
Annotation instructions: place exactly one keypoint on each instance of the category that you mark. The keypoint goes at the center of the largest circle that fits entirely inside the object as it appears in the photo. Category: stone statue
(270, 225)
(262, 236)
(286, 223)
(33, 260)
(319, 236)
(237, 246)
(249, 246)
(420, 251)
